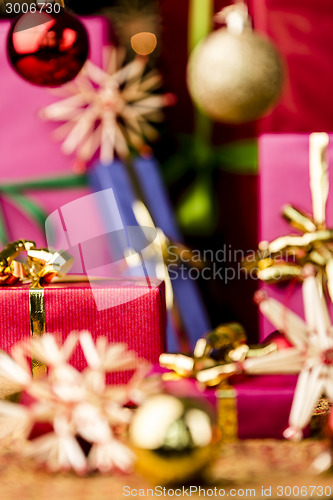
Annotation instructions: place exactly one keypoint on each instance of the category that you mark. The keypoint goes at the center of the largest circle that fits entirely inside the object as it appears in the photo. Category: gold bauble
(9, 390)
(174, 438)
(233, 77)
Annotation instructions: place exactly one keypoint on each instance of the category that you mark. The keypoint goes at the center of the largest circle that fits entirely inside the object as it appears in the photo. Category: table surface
(245, 469)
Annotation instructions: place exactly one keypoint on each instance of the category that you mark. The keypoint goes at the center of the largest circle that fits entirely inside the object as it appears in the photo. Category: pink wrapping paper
(284, 178)
(139, 321)
(263, 405)
(262, 402)
(28, 150)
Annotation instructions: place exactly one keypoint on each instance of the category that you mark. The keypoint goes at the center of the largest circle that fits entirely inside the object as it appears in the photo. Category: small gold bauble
(174, 438)
(233, 77)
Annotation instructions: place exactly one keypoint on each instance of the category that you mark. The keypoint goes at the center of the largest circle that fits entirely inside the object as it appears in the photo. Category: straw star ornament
(78, 407)
(109, 109)
(313, 339)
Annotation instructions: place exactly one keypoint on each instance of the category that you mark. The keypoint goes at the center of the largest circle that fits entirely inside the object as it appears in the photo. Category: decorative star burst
(110, 109)
(77, 406)
(313, 340)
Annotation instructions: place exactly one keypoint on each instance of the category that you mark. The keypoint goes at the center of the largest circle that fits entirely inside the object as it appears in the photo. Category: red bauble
(279, 339)
(48, 49)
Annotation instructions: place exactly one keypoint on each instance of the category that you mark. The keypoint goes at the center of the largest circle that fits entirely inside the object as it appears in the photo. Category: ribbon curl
(218, 356)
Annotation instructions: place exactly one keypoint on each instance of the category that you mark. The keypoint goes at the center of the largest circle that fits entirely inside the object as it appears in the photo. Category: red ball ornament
(279, 339)
(48, 49)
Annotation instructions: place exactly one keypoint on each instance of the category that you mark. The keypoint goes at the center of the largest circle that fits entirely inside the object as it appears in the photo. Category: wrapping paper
(186, 292)
(133, 313)
(284, 178)
(253, 407)
(28, 150)
(257, 407)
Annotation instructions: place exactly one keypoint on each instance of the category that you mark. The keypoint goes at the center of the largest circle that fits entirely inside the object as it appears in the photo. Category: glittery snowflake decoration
(109, 109)
(313, 341)
(86, 417)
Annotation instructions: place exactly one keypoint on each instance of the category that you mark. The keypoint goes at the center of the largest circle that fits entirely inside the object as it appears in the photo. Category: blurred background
(213, 183)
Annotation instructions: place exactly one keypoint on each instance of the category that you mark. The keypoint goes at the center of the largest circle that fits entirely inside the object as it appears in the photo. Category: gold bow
(40, 267)
(221, 354)
(285, 257)
(216, 356)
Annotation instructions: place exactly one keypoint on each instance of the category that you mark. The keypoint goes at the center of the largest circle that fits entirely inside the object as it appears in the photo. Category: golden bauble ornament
(174, 438)
(235, 76)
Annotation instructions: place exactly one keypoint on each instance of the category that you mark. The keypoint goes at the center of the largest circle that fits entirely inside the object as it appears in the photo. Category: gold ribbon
(227, 413)
(216, 357)
(40, 267)
(285, 257)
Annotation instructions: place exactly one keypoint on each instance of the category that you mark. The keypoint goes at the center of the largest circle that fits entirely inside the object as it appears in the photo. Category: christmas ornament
(284, 258)
(48, 48)
(235, 75)
(278, 339)
(78, 407)
(110, 109)
(174, 438)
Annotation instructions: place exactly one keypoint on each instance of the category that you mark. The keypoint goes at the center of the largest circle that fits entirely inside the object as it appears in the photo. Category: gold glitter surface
(244, 464)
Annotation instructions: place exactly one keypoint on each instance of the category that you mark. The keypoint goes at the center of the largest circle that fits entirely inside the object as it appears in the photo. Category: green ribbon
(240, 157)
(198, 207)
(200, 20)
(199, 26)
(15, 192)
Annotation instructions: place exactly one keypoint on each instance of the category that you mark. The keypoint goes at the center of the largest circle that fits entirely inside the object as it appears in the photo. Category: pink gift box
(28, 150)
(253, 407)
(284, 178)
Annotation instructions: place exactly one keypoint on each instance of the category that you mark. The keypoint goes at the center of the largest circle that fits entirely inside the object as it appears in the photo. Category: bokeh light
(144, 43)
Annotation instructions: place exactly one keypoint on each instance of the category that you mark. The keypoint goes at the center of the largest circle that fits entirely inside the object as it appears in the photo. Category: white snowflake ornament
(313, 340)
(78, 406)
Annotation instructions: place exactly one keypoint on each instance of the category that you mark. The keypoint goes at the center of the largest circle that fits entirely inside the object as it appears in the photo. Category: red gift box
(302, 32)
(124, 311)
